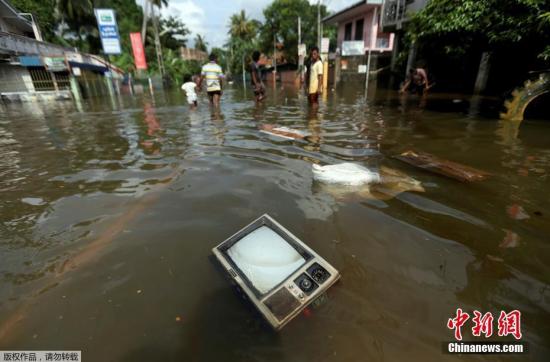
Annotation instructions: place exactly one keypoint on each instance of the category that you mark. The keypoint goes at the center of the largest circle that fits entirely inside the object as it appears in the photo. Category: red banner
(139, 52)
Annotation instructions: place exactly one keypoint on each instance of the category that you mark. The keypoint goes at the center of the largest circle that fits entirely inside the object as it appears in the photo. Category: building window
(359, 24)
(382, 43)
(347, 33)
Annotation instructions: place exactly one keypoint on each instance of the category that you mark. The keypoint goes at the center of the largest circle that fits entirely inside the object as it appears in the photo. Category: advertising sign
(55, 64)
(302, 51)
(353, 48)
(139, 52)
(325, 42)
(108, 30)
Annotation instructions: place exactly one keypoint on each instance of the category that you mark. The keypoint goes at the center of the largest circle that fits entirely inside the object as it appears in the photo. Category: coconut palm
(242, 27)
(242, 39)
(200, 43)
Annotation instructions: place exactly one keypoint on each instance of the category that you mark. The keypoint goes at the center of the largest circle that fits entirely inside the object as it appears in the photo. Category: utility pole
(146, 5)
(300, 56)
(374, 15)
(319, 24)
(158, 48)
(275, 57)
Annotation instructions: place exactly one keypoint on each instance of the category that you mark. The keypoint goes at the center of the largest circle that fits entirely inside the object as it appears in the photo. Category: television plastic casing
(287, 299)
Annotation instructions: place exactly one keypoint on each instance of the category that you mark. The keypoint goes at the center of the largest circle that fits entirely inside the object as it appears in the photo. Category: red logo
(508, 324)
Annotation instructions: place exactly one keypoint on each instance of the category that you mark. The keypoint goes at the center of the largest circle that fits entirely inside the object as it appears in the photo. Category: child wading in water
(190, 87)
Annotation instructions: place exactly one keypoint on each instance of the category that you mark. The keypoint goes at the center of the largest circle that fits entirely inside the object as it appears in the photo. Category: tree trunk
(483, 73)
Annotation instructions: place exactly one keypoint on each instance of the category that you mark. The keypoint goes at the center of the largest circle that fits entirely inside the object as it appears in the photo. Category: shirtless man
(417, 82)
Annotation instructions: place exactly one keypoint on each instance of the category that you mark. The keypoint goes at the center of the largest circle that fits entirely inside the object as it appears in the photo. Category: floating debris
(275, 270)
(346, 173)
(34, 201)
(447, 168)
(284, 132)
(511, 240)
(385, 184)
(517, 212)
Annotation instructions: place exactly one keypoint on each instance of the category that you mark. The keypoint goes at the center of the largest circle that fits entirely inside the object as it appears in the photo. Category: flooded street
(109, 214)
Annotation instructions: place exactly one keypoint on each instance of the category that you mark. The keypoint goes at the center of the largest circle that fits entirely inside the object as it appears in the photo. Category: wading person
(190, 88)
(314, 77)
(213, 74)
(416, 82)
(256, 77)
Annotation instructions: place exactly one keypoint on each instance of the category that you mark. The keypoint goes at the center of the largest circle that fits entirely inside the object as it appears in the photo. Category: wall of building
(416, 5)
(368, 28)
(14, 79)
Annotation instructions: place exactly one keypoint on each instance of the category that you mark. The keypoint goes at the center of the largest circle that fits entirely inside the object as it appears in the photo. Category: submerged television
(279, 273)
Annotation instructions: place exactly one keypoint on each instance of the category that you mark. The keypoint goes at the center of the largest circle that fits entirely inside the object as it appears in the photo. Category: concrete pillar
(54, 80)
(411, 59)
(337, 69)
(394, 53)
(325, 71)
(75, 90)
(110, 88)
(483, 73)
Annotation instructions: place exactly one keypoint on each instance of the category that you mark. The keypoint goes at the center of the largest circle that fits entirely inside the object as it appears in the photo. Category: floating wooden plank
(447, 168)
(283, 132)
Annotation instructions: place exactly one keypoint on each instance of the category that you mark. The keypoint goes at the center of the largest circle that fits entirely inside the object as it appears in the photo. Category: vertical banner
(108, 30)
(139, 52)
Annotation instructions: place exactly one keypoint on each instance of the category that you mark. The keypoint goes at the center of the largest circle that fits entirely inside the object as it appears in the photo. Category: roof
(10, 15)
(335, 17)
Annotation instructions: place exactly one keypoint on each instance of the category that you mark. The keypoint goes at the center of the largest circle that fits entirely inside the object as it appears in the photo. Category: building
(396, 14)
(31, 69)
(360, 32)
(193, 54)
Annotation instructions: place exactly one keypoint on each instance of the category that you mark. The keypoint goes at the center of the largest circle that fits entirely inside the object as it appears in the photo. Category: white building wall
(14, 78)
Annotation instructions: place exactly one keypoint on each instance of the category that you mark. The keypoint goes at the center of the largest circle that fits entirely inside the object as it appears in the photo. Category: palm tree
(78, 19)
(200, 43)
(242, 32)
(242, 27)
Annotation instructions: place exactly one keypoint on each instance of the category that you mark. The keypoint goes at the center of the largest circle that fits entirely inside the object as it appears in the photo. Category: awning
(30, 61)
(88, 66)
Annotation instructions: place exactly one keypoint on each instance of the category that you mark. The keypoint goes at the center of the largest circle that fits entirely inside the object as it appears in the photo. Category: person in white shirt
(190, 87)
(314, 77)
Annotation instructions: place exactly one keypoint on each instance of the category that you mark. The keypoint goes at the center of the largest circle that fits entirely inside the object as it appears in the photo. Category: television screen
(265, 258)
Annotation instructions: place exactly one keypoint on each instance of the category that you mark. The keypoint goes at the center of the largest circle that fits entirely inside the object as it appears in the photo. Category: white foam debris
(346, 173)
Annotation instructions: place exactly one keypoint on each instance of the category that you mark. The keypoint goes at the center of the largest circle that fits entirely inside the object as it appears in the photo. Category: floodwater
(109, 212)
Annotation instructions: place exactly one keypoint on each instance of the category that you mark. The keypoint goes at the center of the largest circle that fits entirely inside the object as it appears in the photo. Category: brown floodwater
(109, 212)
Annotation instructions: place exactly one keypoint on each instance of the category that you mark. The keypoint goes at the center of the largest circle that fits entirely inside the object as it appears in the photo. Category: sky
(210, 18)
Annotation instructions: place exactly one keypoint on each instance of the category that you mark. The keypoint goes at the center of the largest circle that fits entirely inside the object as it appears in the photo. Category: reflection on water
(109, 214)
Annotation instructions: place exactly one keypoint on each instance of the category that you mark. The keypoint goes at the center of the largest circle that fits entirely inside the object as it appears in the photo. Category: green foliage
(173, 33)
(281, 21)
(487, 23)
(243, 40)
(178, 69)
(42, 12)
(222, 57)
(200, 43)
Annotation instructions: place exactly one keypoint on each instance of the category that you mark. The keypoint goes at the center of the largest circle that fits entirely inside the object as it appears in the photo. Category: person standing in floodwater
(416, 82)
(190, 88)
(213, 74)
(256, 77)
(314, 77)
